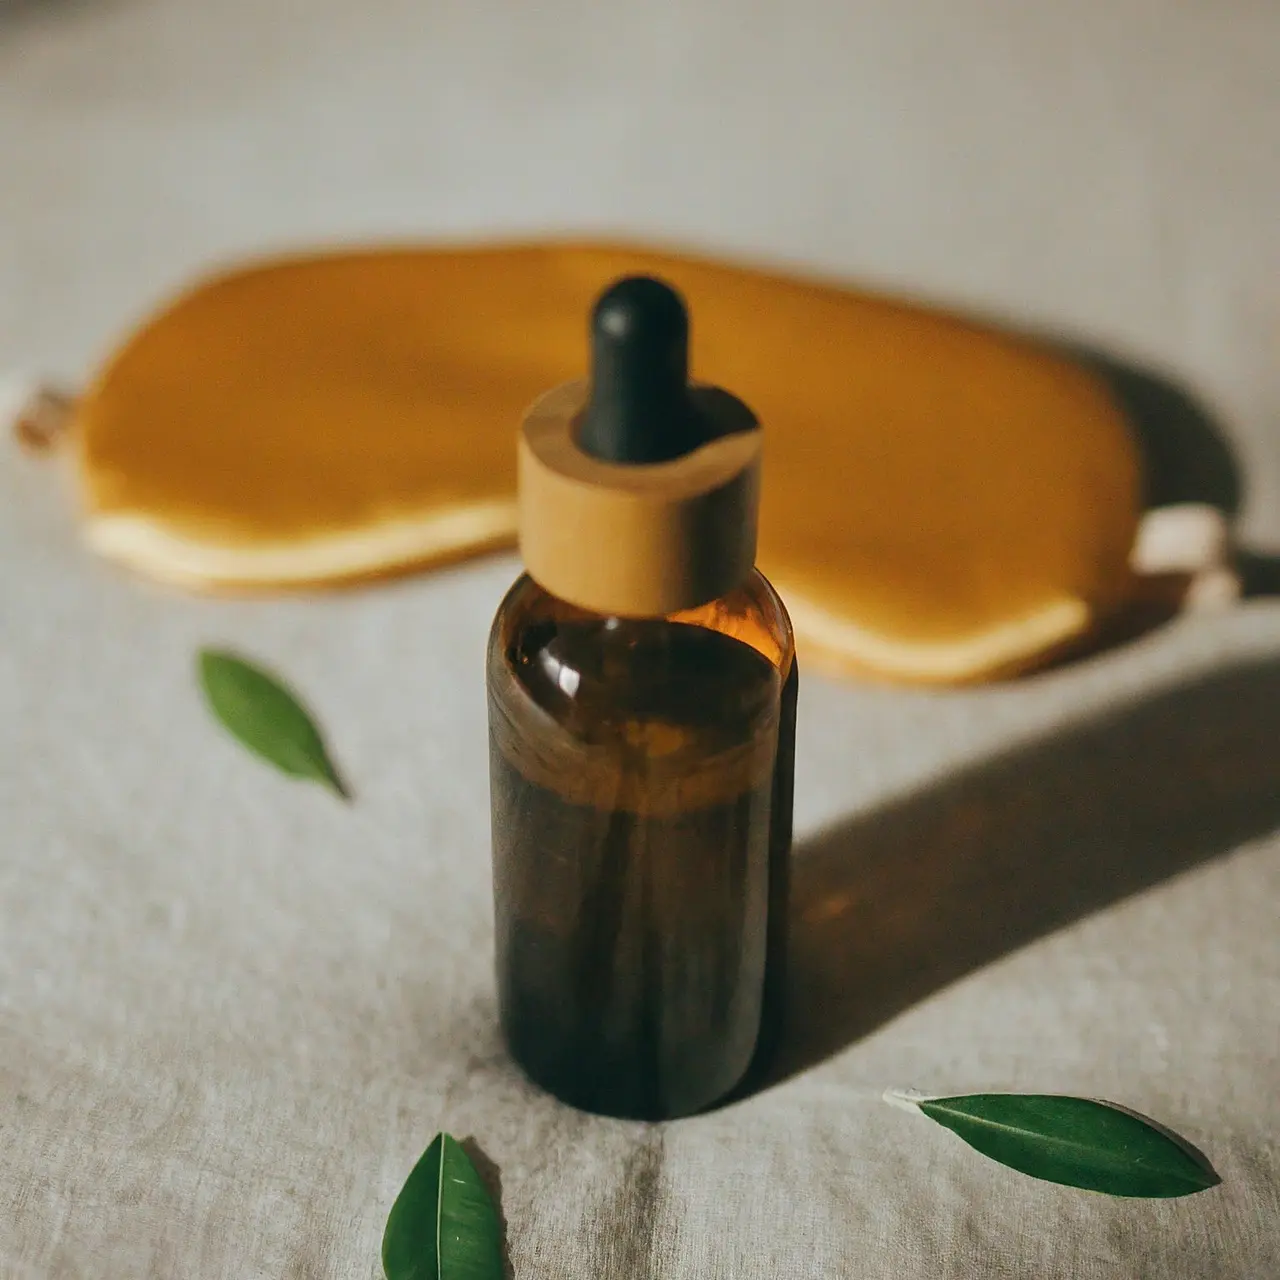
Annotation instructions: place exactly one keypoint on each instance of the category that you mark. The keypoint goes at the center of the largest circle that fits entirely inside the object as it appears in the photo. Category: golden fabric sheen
(940, 503)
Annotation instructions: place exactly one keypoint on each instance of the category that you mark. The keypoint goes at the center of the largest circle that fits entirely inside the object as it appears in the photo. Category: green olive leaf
(266, 717)
(443, 1225)
(1077, 1142)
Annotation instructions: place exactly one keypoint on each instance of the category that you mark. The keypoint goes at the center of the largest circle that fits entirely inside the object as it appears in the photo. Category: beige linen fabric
(233, 1012)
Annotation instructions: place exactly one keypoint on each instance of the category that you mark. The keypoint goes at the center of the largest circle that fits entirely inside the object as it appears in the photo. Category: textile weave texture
(233, 1011)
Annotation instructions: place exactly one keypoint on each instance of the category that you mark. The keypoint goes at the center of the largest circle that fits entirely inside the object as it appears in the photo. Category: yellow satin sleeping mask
(942, 502)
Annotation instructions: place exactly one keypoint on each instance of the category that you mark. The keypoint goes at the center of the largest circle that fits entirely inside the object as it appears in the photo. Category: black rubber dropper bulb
(640, 409)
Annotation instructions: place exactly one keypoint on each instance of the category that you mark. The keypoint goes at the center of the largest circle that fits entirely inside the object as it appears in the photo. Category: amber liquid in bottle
(641, 774)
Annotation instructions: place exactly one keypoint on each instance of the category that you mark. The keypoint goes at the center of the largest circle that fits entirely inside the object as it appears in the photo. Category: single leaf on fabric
(258, 710)
(443, 1225)
(1077, 1142)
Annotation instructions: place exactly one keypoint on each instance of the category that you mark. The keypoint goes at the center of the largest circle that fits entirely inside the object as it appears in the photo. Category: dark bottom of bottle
(594, 1085)
(631, 949)
(600, 1088)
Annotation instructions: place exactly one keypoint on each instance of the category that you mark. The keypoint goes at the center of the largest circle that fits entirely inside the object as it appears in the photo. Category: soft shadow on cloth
(1187, 456)
(893, 905)
(15, 11)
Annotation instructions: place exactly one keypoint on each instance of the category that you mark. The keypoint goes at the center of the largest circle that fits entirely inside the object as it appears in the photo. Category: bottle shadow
(893, 905)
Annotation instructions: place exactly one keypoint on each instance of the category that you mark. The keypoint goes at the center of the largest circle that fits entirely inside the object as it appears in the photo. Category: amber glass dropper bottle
(642, 684)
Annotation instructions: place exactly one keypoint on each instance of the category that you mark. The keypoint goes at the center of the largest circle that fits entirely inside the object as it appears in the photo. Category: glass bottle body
(641, 775)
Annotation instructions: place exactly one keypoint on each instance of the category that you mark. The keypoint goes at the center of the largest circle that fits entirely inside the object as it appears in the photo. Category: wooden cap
(637, 540)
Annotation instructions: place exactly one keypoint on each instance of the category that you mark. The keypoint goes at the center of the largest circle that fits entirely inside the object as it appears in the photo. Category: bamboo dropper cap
(638, 492)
